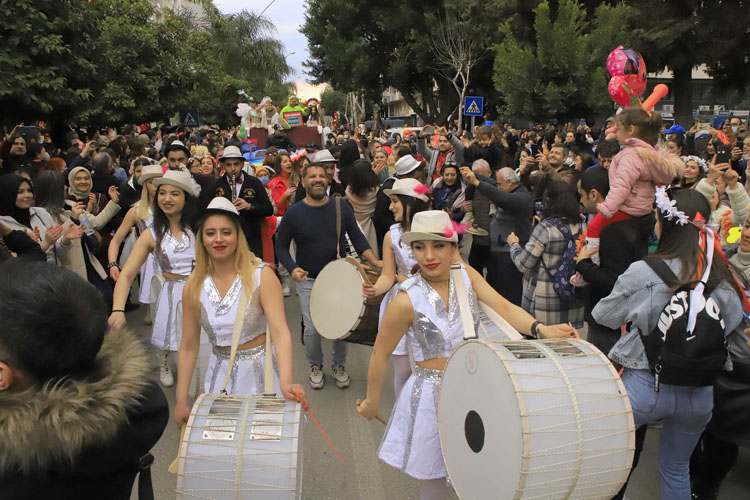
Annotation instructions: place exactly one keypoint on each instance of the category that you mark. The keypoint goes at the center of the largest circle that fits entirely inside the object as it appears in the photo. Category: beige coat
(73, 258)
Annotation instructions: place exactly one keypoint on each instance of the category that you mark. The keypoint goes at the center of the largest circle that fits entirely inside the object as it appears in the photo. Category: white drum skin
(242, 452)
(338, 288)
(534, 419)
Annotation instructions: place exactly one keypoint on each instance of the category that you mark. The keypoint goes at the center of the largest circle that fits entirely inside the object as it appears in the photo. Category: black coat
(83, 439)
(254, 192)
(493, 154)
(281, 142)
(620, 244)
(129, 195)
(382, 217)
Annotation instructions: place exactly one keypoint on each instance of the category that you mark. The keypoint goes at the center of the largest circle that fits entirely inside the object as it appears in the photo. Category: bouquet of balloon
(626, 70)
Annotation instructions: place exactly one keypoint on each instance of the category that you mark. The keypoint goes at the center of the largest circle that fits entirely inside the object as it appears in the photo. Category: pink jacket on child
(633, 175)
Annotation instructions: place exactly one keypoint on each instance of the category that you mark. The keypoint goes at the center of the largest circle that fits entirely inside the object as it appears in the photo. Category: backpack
(679, 357)
(567, 267)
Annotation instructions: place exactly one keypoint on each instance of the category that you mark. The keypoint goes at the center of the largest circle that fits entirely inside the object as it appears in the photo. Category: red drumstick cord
(324, 435)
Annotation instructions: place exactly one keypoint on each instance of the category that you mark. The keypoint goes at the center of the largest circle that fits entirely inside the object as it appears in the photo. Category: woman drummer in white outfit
(224, 267)
(408, 197)
(426, 311)
(173, 246)
(141, 217)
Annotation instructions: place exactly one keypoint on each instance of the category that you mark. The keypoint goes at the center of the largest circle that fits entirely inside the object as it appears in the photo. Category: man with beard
(449, 150)
(325, 159)
(247, 194)
(312, 225)
(14, 153)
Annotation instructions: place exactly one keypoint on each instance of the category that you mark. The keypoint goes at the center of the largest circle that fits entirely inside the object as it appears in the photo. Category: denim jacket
(640, 296)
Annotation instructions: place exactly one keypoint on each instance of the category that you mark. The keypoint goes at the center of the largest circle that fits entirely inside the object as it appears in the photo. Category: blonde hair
(245, 264)
(144, 203)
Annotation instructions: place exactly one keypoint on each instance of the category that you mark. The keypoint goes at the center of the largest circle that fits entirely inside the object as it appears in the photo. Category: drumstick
(377, 415)
(173, 467)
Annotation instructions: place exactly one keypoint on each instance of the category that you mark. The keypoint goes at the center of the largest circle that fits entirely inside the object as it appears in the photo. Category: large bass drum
(241, 447)
(534, 419)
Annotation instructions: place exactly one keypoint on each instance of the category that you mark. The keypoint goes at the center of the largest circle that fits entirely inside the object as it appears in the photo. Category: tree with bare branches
(456, 53)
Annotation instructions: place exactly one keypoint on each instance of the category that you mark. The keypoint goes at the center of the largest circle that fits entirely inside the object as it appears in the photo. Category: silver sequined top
(173, 255)
(405, 260)
(436, 333)
(217, 314)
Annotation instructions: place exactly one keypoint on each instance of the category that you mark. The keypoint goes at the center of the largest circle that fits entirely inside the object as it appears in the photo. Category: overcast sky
(288, 16)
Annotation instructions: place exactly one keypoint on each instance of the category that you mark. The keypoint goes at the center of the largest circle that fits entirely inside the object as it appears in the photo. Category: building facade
(194, 6)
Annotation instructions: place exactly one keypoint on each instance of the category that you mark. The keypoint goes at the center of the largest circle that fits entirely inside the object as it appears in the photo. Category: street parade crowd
(631, 234)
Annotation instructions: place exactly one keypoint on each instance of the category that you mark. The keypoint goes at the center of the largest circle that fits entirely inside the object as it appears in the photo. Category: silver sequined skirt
(411, 442)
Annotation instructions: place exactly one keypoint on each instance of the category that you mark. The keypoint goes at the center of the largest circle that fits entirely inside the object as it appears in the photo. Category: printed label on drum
(219, 429)
(523, 350)
(563, 347)
(472, 362)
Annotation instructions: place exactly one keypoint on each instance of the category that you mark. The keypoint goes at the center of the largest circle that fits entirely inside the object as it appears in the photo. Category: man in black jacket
(247, 194)
(79, 410)
(514, 211)
(280, 139)
(621, 244)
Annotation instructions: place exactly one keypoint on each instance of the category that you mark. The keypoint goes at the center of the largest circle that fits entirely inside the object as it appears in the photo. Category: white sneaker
(317, 380)
(285, 290)
(341, 377)
(165, 374)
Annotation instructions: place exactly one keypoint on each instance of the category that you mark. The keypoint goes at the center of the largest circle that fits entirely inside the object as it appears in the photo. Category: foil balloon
(629, 65)
(621, 93)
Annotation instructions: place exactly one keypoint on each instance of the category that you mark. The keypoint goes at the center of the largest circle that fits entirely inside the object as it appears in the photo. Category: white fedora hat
(150, 172)
(431, 225)
(232, 152)
(180, 178)
(221, 206)
(409, 187)
(407, 164)
(324, 156)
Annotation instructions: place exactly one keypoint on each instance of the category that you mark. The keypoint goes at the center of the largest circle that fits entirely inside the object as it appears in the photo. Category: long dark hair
(362, 178)
(161, 222)
(561, 199)
(50, 191)
(411, 206)
(680, 241)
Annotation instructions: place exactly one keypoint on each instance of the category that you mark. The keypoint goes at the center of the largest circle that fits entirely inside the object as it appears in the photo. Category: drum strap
(236, 332)
(463, 302)
(338, 226)
(268, 379)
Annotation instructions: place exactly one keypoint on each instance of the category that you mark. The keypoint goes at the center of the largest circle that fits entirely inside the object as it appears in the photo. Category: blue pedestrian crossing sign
(190, 117)
(473, 106)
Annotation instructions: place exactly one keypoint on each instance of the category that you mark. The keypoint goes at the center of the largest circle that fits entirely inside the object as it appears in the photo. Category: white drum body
(337, 307)
(534, 419)
(241, 447)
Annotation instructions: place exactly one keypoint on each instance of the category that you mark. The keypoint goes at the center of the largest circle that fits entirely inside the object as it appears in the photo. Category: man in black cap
(177, 154)
(247, 194)
(280, 139)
